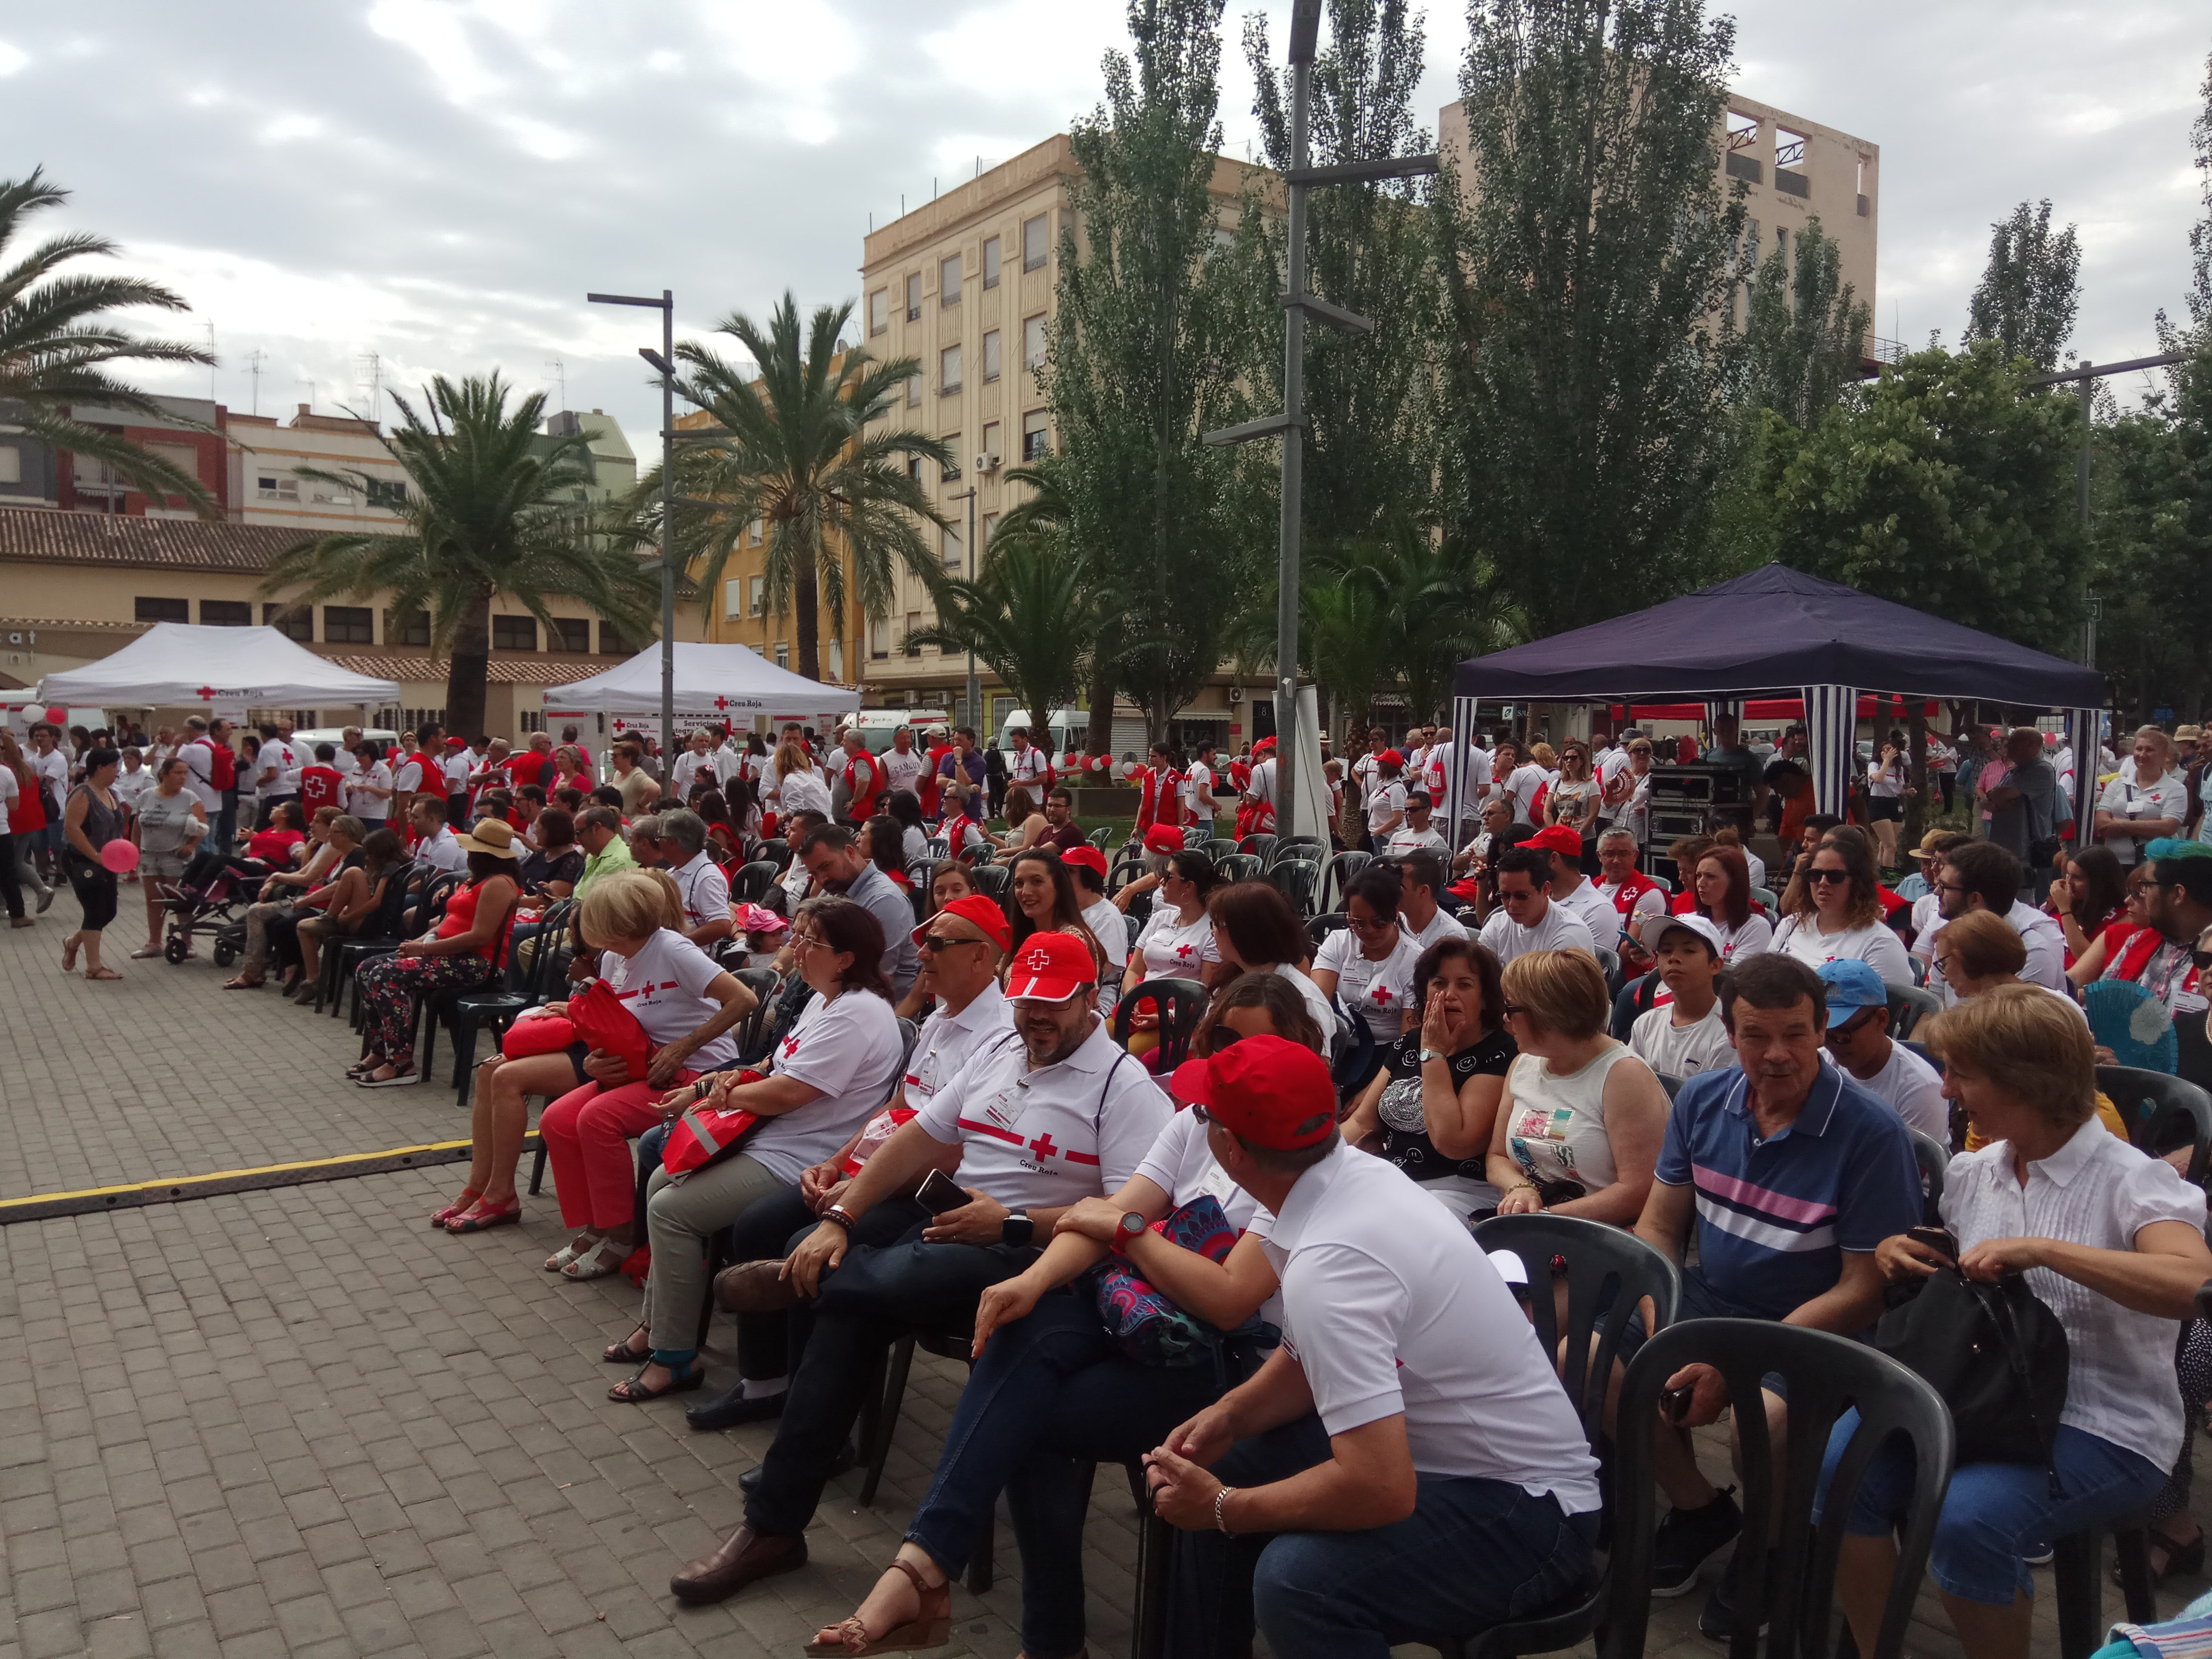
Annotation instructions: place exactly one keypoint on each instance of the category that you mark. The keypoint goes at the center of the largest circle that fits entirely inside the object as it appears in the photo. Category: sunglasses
(945, 941)
(1365, 924)
(1827, 875)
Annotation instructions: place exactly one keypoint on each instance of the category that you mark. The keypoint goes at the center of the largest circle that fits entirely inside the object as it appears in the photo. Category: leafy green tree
(805, 447)
(1586, 276)
(1947, 485)
(1804, 331)
(58, 347)
(1143, 360)
(1028, 617)
(1370, 449)
(2031, 288)
(491, 512)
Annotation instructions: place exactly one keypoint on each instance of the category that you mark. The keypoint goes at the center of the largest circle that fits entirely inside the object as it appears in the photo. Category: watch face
(1133, 1223)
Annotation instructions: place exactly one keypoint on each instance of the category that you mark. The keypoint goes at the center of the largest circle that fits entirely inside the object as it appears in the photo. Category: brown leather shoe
(746, 1556)
(754, 1287)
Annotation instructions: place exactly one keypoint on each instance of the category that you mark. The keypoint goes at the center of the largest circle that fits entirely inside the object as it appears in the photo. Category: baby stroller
(214, 906)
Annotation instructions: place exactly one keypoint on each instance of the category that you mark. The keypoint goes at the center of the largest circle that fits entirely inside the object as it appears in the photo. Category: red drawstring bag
(601, 1019)
(708, 1134)
(548, 1034)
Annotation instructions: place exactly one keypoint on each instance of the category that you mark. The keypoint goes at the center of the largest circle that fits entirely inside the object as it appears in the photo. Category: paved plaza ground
(299, 1422)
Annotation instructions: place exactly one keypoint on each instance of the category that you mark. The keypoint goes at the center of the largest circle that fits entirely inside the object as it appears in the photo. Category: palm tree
(792, 448)
(55, 347)
(491, 509)
(1028, 617)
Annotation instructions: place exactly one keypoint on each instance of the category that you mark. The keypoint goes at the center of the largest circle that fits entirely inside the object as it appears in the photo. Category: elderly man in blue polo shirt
(1793, 1173)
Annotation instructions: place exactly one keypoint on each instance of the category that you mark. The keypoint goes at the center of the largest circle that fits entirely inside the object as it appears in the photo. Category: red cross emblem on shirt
(206, 694)
(1382, 993)
(1042, 1146)
(790, 1046)
(1184, 952)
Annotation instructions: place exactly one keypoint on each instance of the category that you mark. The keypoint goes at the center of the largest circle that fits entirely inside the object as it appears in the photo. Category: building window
(951, 548)
(349, 624)
(991, 355)
(879, 640)
(990, 445)
(611, 642)
(990, 530)
(275, 486)
(948, 368)
(880, 311)
(782, 654)
(1742, 134)
(913, 297)
(11, 464)
(950, 472)
(293, 622)
(514, 633)
(914, 468)
(912, 627)
(948, 281)
(569, 634)
(733, 596)
(837, 661)
(913, 391)
(154, 610)
(1033, 343)
(1790, 163)
(1033, 436)
(1033, 243)
(757, 600)
(413, 629)
(388, 493)
(226, 613)
(753, 533)
(990, 262)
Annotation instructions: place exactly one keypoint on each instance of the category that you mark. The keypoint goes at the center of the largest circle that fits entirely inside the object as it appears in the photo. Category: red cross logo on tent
(206, 694)
(1042, 1146)
(620, 725)
(721, 702)
(1382, 993)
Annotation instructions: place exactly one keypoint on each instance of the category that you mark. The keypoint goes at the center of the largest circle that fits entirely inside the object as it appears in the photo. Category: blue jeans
(1051, 1396)
(1997, 1514)
(1473, 1553)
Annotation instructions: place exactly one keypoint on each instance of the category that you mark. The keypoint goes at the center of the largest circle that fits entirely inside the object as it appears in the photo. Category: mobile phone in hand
(1938, 1239)
(940, 1193)
(1675, 1403)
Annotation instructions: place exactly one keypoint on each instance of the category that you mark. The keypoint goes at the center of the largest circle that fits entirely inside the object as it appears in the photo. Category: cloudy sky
(438, 182)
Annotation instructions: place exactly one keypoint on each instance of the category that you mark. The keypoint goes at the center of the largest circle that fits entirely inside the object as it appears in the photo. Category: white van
(1070, 728)
(877, 725)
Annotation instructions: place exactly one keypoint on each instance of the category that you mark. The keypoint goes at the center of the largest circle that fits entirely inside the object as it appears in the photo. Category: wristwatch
(1017, 1229)
(1130, 1225)
(1428, 1055)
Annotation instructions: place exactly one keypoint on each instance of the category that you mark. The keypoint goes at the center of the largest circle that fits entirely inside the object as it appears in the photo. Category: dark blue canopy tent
(1778, 632)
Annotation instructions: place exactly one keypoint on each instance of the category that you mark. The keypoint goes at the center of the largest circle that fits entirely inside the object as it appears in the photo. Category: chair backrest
(762, 982)
(1934, 1157)
(1908, 1005)
(1101, 838)
(909, 1034)
(2161, 1112)
(1342, 869)
(753, 879)
(1826, 1375)
(384, 922)
(2133, 1024)
(1669, 889)
(1630, 1001)
(1670, 1082)
(1318, 928)
(1312, 847)
(777, 852)
(1237, 866)
(1608, 1271)
(1219, 848)
(1259, 845)
(992, 880)
(553, 928)
(1181, 1003)
(1299, 881)
(1610, 961)
(1765, 898)
(1132, 924)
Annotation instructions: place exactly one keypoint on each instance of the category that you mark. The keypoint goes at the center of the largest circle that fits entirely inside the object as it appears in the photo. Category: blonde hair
(789, 758)
(2027, 1046)
(1562, 991)
(1986, 945)
(1544, 755)
(2159, 735)
(629, 905)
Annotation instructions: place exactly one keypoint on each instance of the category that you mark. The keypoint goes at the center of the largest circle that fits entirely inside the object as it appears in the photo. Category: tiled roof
(517, 669)
(46, 536)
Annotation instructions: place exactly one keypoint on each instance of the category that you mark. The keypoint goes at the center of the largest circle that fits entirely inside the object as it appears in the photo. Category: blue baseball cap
(1852, 984)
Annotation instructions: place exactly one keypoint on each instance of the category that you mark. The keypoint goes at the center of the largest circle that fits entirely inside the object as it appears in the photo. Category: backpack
(1994, 1352)
(222, 765)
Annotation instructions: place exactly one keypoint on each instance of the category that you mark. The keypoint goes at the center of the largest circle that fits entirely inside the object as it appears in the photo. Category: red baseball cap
(1391, 757)
(1051, 968)
(1557, 838)
(1269, 1090)
(984, 912)
(1265, 746)
(1089, 857)
(1163, 838)
(456, 743)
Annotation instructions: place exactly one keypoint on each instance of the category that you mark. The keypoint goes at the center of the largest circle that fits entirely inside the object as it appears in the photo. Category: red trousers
(587, 1134)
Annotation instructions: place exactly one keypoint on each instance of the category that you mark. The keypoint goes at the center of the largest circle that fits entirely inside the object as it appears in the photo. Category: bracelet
(1219, 1498)
(1523, 1186)
(701, 1090)
(839, 1215)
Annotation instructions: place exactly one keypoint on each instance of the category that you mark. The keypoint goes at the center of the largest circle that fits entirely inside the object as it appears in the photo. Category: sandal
(483, 1216)
(361, 1068)
(146, 953)
(632, 1391)
(2181, 1560)
(458, 1208)
(242, 984)
(621, 1353)
(930, 1627)
(101, 973)
(69, 955)
(406, 1073)
(567, 1253)
(604, 1256)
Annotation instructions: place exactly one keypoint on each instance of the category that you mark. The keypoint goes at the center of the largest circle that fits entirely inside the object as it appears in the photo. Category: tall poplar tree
(1590, 271)
(2031, 288)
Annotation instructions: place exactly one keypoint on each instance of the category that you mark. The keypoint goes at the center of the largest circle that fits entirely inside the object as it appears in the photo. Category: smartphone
(1938, 1239)
(940, 1193)
(1675, 1403)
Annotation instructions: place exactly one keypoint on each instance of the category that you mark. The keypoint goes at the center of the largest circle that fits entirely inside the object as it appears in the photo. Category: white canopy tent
(177, 665)
(713, 683)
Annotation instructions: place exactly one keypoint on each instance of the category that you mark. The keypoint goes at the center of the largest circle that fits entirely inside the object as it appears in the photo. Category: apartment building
(189, 433)
(1794, 169)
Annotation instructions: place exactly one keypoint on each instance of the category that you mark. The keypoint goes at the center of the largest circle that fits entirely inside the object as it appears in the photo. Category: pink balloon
(56, 715)
(121, 856)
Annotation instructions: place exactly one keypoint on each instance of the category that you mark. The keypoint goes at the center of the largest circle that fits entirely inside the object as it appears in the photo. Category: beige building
(1794, 169)
(967, 286)
(76, 586)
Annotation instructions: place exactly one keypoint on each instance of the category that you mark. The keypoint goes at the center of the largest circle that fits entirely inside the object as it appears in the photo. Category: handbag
(1145, 1323)
(1994, 1352)
(705, 1135)
(599, 1018)
(548, 1034)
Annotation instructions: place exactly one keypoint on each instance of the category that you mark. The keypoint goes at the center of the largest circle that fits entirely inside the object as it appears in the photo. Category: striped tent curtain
(1461, 818)
(2082, 732)
(1717, 706)
(1832, 737)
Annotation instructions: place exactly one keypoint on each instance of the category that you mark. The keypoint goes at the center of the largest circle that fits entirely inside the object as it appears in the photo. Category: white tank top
(1557, 1127)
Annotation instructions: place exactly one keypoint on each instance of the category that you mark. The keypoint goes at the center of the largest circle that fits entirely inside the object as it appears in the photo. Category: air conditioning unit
(986, 463)
(1235, 694)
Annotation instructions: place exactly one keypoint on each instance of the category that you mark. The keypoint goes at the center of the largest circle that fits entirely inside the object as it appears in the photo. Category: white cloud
(11, 59)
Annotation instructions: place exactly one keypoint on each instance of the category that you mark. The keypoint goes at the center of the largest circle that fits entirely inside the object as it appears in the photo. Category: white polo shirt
(1589, 902)
(706, 890)
(1560, 930)
(1391, 1308)
(1181, 1165)
(849, 1049)
(946, 1043)
(443, 851)
(1075, 1129)
(199, 761)
(1381, 991)
(1442, 925)
(664, 987)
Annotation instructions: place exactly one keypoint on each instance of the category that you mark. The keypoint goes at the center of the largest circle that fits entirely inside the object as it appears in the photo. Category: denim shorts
(1699, 1301)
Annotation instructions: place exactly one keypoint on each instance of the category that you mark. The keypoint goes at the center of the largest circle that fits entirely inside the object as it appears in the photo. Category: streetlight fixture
(1290, 425)
(664, 364)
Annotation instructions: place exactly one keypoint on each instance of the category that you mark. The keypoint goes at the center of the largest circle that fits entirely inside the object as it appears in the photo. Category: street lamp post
(974, 567)
(1290, 425)
(663, 363)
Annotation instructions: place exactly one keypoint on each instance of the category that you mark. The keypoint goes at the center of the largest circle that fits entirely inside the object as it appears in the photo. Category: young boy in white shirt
(1684, 1036)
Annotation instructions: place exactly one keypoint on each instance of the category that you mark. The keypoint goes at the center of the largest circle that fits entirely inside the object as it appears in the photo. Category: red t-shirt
(528, 767)
(274, 846)
(320, 786)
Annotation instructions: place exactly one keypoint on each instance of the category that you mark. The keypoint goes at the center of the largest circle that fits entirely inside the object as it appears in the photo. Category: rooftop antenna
(375, 363)
(210, 328)
(560, 378)
(310, 384)
(254, 359)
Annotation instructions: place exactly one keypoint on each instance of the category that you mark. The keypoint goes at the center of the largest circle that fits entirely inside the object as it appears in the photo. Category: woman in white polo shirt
(1177, 941)
(1368, 966)
(1831, 910)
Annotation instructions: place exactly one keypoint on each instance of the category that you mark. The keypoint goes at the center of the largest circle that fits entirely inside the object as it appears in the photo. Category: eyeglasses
(945, 941)
(1504, 897)
(1509, 1009)
(1945, 886)
(800, 941)
(1369, 925)
(1827, 875)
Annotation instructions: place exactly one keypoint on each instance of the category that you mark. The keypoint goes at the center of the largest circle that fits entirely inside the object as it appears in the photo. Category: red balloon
(121, 856)
(56, 715)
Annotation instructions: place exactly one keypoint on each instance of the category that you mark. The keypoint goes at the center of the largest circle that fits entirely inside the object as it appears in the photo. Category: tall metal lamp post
(663, 363)
(975, 568)
(1290, 425)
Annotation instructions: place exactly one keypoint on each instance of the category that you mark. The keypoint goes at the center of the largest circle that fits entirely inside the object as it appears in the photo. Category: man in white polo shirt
(705, 889)
(1407, 1463)
(1066, 1115)
(1526, 919)
(1420, 879)
(1572, 890)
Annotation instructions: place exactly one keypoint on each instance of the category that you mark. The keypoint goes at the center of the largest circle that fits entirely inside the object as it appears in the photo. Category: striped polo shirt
(1775, 1215)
